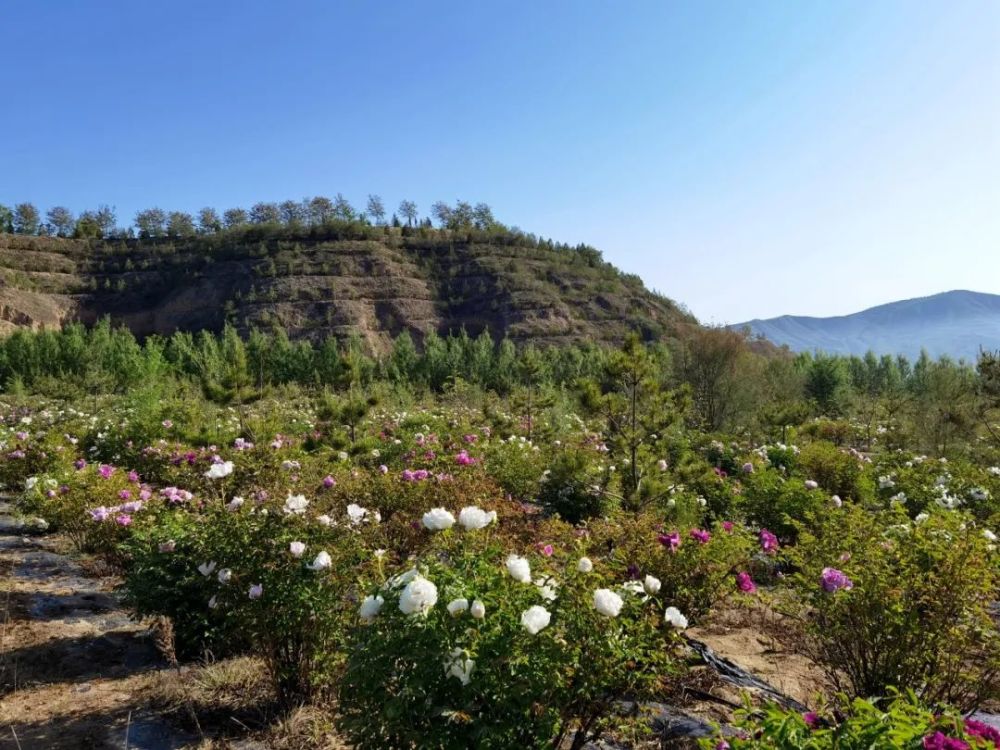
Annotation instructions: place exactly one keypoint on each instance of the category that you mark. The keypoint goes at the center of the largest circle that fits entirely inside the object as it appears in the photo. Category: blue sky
(746, 158)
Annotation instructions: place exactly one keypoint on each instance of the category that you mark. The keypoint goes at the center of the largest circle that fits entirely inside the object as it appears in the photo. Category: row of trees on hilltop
(26, 219)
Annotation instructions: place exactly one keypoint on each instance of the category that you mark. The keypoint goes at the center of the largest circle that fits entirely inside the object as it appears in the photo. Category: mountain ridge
(956, 323)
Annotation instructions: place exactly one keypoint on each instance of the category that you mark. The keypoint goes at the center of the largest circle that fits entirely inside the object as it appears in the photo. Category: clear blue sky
(746, 158)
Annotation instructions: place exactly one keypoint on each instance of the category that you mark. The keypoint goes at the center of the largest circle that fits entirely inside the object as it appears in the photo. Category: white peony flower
(418, 596)
(438, 519)
(213, 602)
(225, 575)
(471, 518)
(547, 588)
(921, 517)
(457, 607)
(256, 591)
(651, 585)
(535, 619)
(457, 665)
(477, 610)
(519, 568)
(295, 504)
(220, 470)
(324, 520)
(990, 536)
(235, 504)
(322, 561)
(675, 618)
(356, 514)
(585, 565)
(206, 568)
(607, 602)
(297, 549)
(370, 607)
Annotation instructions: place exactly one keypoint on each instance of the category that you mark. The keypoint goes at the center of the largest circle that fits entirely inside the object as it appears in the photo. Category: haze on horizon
(748, 160)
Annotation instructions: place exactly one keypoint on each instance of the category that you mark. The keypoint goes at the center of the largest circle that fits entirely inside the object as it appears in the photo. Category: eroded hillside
(318, 282)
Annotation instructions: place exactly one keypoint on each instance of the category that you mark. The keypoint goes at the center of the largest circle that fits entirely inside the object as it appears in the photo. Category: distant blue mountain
(956, 323)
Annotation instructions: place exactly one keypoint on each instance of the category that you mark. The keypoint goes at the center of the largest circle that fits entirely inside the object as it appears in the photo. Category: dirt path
(73, 668)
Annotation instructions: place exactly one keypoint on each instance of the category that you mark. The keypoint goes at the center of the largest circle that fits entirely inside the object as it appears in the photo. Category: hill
(376, 281)
(956, 323)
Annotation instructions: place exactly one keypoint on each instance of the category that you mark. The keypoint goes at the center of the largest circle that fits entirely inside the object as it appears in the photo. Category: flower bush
(479, 647)
(887, 602)
(696, 567)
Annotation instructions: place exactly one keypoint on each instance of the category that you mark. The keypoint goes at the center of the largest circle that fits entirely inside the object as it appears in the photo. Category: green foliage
(900, 721)
(771, 501)
(574, 486)
(836, 471)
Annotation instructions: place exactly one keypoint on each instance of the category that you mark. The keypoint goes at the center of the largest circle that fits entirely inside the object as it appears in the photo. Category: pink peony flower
(671, 541)
(99, 514)
(768, 542)
(106, 471)
(123, 519)
(745, 583)
(832, 580)
(982, 731)
(702, 537)
(939, 741)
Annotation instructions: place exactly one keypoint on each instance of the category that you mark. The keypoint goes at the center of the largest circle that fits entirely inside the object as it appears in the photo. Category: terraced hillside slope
(377, 281)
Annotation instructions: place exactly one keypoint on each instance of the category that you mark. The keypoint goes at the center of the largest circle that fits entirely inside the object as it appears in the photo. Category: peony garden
(458, 568)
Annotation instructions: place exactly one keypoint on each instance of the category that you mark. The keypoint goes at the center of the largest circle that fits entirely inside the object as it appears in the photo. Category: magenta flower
(811, 719)
(106, 471)
(124, 495)
(464, 459)
(939, 741)
(982, 731)
(79, 464)
(671, 541)
(546, 549)
(329, 481)
(832, 580)
(702, 537)
(745, 583)
(123, 519)
(768, 542)
(728, 526)
(133, 477)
